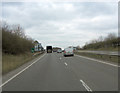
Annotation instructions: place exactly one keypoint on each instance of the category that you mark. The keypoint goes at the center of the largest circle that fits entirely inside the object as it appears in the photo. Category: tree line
(14, 40)
(110, 41)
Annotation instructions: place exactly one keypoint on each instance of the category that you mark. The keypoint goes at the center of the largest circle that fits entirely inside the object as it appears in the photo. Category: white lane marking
(21, 71)
(98, 61)
(86, 86)
(60, 58)
(66, 64)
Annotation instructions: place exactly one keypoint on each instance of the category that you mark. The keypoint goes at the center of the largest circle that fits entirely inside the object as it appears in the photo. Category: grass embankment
(105, 49)
(11, 62)
(98, 56)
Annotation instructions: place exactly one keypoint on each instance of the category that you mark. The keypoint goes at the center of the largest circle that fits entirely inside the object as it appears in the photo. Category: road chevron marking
(98, 61)
(86, 86)
(21, 71)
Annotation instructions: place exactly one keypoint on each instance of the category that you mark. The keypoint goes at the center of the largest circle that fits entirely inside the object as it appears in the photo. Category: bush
(14, 40)
(111, 41)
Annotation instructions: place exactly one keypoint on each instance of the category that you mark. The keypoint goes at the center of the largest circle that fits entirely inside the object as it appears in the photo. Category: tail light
(64, 51)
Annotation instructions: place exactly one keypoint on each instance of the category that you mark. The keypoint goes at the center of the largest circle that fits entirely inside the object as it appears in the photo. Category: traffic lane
(100, 77)
(65, 80)
(46, 75)
(62, 58)
(19, 83)
(14, 72)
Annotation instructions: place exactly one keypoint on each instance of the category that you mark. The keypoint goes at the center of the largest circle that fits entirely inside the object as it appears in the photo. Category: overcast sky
(64, 23)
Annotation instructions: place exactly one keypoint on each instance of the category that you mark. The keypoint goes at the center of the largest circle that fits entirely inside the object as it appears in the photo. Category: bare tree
(78, 47)
(14, 40)
(110, 36)
(18, 30)
(100, 39)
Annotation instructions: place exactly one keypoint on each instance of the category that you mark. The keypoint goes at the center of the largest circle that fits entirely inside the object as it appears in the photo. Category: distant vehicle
(55, 49)
(49, 49)
(59, 51)
(68, 52)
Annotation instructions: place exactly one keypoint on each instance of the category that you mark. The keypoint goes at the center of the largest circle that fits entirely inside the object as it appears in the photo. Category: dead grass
(11, 62)
(105, 49)
(98, 56)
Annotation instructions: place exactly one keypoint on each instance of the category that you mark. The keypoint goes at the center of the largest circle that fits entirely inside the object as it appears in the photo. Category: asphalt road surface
(54, 72)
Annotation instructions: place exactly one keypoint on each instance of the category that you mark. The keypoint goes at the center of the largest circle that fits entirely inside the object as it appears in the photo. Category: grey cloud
(92, 9)
(63, 24)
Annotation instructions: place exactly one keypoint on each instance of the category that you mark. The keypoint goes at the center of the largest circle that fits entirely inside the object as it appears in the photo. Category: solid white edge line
(21, 71)
(98, 61)
(86, 86)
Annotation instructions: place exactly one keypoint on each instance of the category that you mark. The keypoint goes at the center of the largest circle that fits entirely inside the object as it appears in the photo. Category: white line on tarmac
(98, 61)
(66, 64)
(86, 86)
(60, 58)
(21, 71)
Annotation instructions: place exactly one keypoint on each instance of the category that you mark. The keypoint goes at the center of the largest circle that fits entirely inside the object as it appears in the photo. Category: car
(68, 52)
(59, 51)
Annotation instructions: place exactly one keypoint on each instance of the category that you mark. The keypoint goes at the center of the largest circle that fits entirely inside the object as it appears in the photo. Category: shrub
(14, 40)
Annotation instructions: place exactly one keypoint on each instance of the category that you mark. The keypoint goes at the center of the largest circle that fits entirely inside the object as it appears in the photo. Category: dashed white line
(86, 86)
(66, 64)
(98, 61)
(60, 58)
(21, 71)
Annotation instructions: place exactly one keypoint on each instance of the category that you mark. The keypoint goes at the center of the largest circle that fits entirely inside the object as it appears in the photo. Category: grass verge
(99, 56)
(11, 62)
(105, 49)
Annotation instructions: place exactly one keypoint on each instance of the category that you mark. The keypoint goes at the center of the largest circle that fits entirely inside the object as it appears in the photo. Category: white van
(68, 52)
